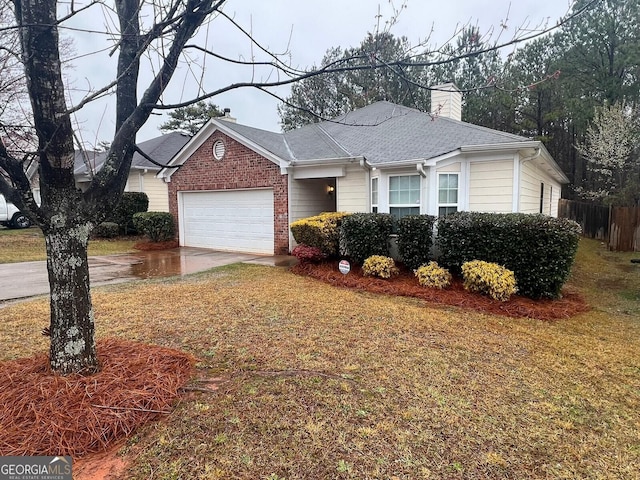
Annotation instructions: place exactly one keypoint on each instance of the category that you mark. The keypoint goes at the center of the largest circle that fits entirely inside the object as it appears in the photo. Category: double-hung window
(374, 195)
(404, 195)
(447, 193)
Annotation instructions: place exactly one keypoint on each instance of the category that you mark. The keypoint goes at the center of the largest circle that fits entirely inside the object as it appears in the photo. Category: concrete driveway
(28, 279)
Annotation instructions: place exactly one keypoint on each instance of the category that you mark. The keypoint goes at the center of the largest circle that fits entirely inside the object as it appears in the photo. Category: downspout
(517, 174)
(367, 168)
(421, 171)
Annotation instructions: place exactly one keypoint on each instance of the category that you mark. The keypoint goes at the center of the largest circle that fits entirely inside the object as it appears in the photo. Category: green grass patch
(320, 382)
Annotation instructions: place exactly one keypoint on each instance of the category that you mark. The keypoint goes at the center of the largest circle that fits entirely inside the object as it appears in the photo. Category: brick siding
(239, 168)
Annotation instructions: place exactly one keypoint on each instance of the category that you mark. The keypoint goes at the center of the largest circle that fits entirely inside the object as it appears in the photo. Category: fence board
(625, 229)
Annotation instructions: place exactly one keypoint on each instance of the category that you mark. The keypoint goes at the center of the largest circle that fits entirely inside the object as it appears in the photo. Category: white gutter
(329, 161)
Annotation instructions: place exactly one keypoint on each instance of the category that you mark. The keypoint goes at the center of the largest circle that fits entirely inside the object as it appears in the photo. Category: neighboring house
(142, 176)
(239, 188)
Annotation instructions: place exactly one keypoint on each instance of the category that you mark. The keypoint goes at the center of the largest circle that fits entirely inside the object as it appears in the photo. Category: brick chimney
(446, 101)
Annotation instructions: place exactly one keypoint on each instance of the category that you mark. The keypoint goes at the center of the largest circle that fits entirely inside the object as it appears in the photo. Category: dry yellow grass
(28, 245)
(330, 383)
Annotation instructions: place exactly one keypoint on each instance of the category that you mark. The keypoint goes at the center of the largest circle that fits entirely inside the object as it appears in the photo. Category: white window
(404, 195)
(447, 193)
(374, 195)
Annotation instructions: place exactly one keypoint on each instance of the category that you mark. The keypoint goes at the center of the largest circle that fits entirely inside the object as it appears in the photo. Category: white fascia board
(510, 146)
(204, 133)
(318, 171)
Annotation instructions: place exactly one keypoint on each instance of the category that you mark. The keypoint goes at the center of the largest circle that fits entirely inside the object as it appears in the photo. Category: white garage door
(233, 220)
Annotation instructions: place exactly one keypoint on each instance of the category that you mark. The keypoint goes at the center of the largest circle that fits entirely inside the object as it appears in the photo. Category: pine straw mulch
(406, 285)
(148, 246)
(47, 414)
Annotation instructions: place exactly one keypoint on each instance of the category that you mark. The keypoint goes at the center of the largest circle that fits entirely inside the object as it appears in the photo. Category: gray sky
(302, 29)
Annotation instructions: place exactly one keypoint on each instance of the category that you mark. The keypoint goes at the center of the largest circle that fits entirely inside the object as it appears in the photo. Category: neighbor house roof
(161, 149)
(384, 133)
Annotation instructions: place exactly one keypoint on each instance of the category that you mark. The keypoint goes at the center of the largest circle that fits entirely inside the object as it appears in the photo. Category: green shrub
(106, 230)
(130, 204)
(434, 276)
(379, 266)
(489, 279)
(414, 239)
(365, 234)
(538, 249)
(321, 231)
(157, 226)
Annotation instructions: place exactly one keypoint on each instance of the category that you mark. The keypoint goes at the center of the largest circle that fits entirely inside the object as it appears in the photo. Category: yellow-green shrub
(489, 279)
(434, 276)
(379, 266)
(321, 231)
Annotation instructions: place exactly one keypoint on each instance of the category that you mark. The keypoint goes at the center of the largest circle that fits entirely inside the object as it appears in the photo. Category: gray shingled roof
(161, 149)
(381, 132)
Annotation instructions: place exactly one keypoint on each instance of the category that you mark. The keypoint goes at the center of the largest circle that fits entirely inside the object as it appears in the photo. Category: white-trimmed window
(404, 195)
(447, 193)
(374, 195)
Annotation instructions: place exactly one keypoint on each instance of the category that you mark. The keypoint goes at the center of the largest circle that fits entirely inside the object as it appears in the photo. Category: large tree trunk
(73, 348)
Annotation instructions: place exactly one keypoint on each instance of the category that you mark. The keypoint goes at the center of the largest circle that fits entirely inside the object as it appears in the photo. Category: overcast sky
(304, 29)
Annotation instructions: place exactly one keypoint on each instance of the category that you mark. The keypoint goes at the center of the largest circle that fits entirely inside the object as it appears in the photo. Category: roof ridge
(332, 139)
(287, 146)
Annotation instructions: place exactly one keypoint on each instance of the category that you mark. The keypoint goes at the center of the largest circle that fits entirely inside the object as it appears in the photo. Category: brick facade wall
(239, 168)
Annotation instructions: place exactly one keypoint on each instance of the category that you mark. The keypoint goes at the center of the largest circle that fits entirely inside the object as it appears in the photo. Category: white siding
(310, 197)
(155, 189)
(157, 192)
(352, 190)
(491, 186)
(531, 176)
(452, 168)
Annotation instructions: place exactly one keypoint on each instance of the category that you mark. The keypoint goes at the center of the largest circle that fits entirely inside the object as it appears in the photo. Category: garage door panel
(234, 220)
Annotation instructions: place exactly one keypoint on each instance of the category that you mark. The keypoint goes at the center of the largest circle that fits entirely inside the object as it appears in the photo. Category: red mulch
(407, 285)
(147, 246)
(47, 414)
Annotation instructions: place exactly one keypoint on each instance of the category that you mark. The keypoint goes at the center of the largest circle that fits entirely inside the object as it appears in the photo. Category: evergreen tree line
(577, 90)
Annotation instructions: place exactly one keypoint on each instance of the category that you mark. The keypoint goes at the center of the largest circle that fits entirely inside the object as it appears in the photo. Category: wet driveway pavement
(28, 279)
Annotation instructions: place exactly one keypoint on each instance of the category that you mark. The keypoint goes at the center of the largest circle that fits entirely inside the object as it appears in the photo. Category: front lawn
(28, 245)
(321, 382)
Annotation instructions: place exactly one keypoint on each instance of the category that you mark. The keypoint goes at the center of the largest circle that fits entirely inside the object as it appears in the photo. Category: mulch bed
(147, 246)
(47, 414)
(407, 285)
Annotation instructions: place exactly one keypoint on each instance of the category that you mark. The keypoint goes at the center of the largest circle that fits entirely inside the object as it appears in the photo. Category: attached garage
(231, 220)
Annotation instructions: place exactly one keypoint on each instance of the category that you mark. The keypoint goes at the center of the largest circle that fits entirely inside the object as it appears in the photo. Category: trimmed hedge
(158, 226)
(415, 239)
(538, 249)
(130, 204)
(366, 234)
(321, 231)
(106, 230)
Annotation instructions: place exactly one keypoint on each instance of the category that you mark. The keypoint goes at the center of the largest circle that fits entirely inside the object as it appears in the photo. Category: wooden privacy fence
(594, 219)
(618, 226)
(624, 229)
